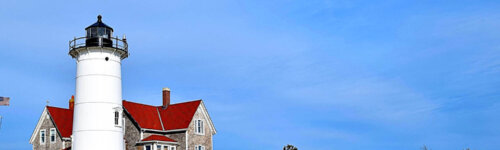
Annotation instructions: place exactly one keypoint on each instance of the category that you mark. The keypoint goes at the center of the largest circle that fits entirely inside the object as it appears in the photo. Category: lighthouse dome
(99, 23)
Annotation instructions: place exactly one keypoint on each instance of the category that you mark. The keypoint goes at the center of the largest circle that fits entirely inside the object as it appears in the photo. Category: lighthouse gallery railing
(81, 42)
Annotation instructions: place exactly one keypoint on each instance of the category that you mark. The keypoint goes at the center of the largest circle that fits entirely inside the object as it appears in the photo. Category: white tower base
(98, 97)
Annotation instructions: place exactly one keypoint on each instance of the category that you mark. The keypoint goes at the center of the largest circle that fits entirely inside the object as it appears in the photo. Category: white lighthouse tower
(97, 118)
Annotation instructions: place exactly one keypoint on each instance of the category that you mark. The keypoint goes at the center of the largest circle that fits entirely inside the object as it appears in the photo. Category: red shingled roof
(63, 120)
(158, 138)
(176, 116)
(146, 116)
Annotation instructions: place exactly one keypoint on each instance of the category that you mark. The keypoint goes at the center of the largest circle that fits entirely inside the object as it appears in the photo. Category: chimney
(72, 102)
(166, 98)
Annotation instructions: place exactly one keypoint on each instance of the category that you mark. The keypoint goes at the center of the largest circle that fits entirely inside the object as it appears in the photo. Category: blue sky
(355, 75)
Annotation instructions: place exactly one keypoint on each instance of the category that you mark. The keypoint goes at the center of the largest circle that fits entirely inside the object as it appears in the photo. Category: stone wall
(132, 133)
(47, 124)
(179, 137)
(197, 139)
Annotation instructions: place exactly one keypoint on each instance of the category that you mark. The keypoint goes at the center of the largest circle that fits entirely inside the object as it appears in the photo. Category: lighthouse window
(93, 32)
(101, 31)
(117, 117)
(109, 33)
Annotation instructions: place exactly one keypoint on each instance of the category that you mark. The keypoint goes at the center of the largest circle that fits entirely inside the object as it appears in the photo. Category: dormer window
(198, 127)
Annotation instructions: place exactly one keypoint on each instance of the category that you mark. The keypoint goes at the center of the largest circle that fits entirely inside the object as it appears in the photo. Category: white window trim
(123, 124)
(120, 116)
(44, 136)
(149, 145)
(201, 147)
(169, 147)
(202, 131)
(156, 146)
(50, 135)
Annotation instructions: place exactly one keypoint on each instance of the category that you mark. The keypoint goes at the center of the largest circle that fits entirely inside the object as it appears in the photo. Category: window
(117, 117)
(109, 33)
(166, 147)
(118, 121)
(199, 127)
(147, 147)
(199, 147)
(93, 32)
(42, 136)
(101, 32)
(52, 135)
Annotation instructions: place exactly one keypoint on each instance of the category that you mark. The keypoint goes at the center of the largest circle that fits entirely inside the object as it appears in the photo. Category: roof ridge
(188, 102)
(57, 107)
(139, 103)
(162, 106)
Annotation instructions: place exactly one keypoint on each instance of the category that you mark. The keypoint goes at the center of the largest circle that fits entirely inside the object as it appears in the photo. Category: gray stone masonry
(132, 134)
(47, 124)
(197, 139)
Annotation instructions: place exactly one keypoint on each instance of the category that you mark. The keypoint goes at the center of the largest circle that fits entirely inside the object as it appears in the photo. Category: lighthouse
(97, 116)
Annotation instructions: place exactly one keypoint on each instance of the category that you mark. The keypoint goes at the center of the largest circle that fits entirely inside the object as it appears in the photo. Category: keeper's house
(181, 126)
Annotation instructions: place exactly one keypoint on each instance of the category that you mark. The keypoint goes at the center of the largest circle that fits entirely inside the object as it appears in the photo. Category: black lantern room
(99, 34)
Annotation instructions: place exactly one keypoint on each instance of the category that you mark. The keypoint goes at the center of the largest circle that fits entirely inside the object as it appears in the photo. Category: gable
(202, 113)
(38, 125)
(60, 118)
